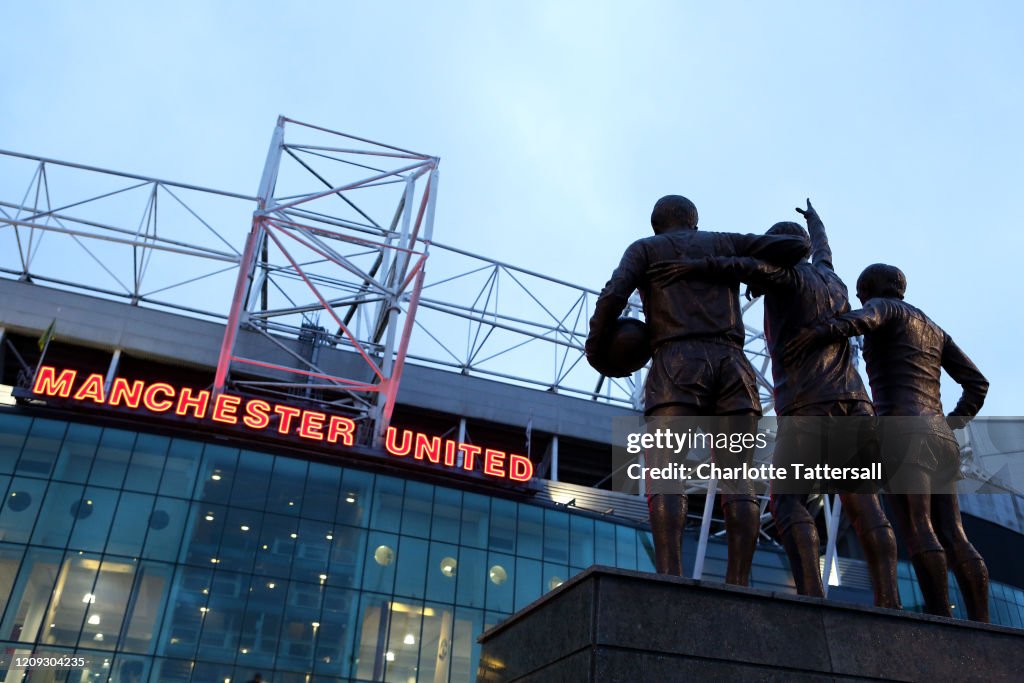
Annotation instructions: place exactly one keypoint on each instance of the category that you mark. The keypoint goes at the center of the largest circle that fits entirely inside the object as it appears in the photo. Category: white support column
(705, 529)
(830, 572)
(115, 362)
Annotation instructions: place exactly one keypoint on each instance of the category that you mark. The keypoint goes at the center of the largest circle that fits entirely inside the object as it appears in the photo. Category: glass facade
(169, 559)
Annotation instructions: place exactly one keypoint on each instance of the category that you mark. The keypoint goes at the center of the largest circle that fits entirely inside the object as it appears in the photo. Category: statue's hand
(666, 272)
(957, 421)
(809, 212)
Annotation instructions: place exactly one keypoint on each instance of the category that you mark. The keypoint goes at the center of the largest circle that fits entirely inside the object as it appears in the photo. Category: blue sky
(560, 123)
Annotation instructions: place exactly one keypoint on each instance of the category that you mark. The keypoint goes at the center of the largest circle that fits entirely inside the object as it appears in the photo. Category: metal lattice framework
(335, 256)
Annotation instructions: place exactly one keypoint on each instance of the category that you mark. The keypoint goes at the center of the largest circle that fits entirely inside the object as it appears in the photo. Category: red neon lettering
(468, 454)
(429, 446)
(49, 385)
(198, 402)
(224, 408)
(449, 453)
(257, 414)
(312, 423)
(389, 442)
(286, 413)
(120, 391)
(158, 406)
(92, 388)
(494, 463)
(343, 427)
(520, 468)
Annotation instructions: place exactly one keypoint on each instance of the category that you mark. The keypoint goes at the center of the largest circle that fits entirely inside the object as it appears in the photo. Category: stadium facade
(163, 532)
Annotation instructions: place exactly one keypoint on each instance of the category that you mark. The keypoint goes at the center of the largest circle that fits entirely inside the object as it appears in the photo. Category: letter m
(49, 384)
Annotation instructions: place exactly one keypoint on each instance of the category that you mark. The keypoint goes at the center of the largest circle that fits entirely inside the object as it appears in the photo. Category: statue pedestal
(614, 625)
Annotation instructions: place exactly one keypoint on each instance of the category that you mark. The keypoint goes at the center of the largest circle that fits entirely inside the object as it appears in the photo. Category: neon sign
(256, 415)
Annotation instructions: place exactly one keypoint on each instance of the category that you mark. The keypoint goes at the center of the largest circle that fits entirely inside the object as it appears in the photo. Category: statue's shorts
(909, 444)
(710, 376)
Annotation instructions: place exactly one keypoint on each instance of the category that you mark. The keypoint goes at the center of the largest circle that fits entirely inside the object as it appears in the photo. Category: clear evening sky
(560, 123)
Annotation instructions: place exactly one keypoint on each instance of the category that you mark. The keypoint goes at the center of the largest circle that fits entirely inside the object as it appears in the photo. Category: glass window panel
(372, 640)
(356, 498)
(10, 560)
(300, 627)
(447, 515)
(180, 468)
(581, 541)
(131, 522)
(112, 458)
(41, 448)
(20, 509)
(528, 582)
(94, 513)
(312, 552)
(644, 551)
(13, 429)
(417, 505)
(434, 643)
(240, 540)
(187, 609)
(531, 531)
(217, 474)
(206, 528)
(172, 671)
(554, 576)
(251, 479)
(412, 558)
(379, 568)
(222, 620)
(289, 480)
(211, 671)
(166, 525)
(31, 595)
(277, 546)
(475, 515)
(261, 627)
(500, 582)
(401, 657)
(348, 550)
(471, 577)
(73, 594)
(146, 607)
(106, 613)
(442, 571)
(333, 651)
(57, 515)
(323, 484)
(387, 504)
(503, 526)
(77, 453)
(625, 546)
(147, 463)
(465, 651)
(556, 536)
(604, 544)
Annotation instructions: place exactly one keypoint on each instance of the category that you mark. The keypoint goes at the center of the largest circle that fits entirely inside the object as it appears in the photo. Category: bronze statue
(820, 399)
(698, 368)
(905, 353)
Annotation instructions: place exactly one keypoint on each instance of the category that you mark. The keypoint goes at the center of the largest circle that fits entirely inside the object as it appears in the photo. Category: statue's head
(673, 212)
(880, 279)
(793, 230)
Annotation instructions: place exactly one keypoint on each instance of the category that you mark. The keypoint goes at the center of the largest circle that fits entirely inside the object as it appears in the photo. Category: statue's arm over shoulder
(613, 298)
(963, 370)
(779, 250)
(876, 312)
(821, 252)
(751, 271)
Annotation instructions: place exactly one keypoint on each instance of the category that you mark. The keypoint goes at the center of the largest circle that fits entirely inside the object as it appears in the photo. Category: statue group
(689, 281)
